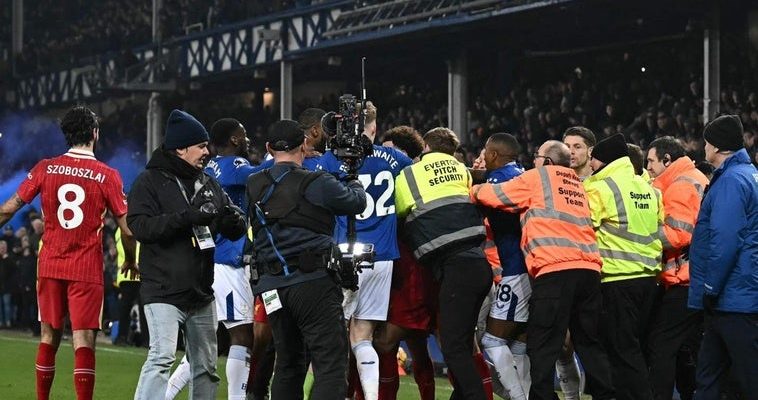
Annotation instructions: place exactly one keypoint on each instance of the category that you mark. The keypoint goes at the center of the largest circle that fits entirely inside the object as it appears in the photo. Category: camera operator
(377, 224)
(292, 212)
(175, 210)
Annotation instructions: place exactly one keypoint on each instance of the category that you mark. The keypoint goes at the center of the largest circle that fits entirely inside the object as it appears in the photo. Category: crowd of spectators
(607, 92)
(63, 33)
(18, 275)
(19, 249)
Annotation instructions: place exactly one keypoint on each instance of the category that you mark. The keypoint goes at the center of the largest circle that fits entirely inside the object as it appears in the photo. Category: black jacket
(327, 194)
(173, 269)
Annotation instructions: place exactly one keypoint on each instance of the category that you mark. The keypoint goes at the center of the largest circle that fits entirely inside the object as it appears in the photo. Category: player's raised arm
(9, 208)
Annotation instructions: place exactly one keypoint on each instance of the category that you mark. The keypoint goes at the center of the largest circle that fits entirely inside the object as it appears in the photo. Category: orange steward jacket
(556, 228)
(490, 251)
(682, 186)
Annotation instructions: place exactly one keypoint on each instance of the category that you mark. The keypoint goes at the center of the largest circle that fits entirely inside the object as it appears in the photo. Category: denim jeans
(199, 328)
(8, 309)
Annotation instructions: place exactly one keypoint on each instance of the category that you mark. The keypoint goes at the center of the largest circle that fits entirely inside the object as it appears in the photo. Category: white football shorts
(234, 296)
(511, 301)
(372, 300)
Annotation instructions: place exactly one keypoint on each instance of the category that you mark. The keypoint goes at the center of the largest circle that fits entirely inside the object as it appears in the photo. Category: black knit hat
(725, 133)
(285, 135)
(610, 149)
(183, 130)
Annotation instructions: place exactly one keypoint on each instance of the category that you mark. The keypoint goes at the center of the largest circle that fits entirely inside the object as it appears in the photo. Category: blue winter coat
(724, 249)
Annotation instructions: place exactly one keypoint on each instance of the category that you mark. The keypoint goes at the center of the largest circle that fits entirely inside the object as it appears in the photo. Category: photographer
(377, 224)
(292, 214)
(175, 210)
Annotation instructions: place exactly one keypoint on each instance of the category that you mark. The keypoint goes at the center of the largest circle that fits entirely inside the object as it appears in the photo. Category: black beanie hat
(285, 135)
(183, 130)
(610, 149)
(725, 133)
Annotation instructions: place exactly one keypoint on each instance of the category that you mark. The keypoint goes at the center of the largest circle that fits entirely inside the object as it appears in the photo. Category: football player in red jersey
(76, 192)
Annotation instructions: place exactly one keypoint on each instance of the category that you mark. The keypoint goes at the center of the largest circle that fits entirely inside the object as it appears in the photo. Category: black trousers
(730, 343)
(562, 300)
(311, 316)
(673, 324)
(627, 307)
(466, 280)
(129, 297)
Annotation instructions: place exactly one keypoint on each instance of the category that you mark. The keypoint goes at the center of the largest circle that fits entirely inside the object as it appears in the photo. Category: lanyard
(184, 192)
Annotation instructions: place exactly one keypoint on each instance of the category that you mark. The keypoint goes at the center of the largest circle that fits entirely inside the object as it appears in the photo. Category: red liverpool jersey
(76, 191)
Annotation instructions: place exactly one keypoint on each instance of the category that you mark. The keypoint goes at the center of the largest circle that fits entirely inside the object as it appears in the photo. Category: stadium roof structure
(328, 28)
(394, 17)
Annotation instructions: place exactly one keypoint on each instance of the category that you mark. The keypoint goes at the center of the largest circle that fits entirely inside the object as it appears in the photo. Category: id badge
(271, 301)
(203, 237)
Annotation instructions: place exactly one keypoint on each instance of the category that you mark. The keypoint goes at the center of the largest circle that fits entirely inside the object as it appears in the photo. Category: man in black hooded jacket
(175, 212)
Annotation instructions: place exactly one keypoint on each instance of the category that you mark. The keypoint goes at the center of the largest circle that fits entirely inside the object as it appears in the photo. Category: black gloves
(709, 303)
(197, 217)
(231, 223)
(350, 177)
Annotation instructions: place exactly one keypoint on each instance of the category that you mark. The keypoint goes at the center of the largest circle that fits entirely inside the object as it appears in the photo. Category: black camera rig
(351, 146)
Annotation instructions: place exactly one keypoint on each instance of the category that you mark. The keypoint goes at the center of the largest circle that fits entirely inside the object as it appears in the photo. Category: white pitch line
(105, 349)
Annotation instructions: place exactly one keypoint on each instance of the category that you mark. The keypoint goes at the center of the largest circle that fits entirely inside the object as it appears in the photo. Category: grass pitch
(118, 370)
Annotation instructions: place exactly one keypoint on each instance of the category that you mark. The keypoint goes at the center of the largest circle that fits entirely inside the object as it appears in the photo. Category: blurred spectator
(7, 269)
(35, 235)
(26, 299)
(7, 278)
(8, 237)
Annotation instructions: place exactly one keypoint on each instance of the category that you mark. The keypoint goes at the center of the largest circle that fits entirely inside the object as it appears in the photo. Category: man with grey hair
(563, 258)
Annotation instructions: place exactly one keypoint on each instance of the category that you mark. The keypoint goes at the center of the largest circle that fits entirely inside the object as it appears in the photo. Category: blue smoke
(7, 189)
(28, 138)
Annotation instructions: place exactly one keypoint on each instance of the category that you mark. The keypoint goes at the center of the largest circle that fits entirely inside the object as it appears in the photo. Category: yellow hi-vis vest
(433, 197)
(626, 213)
(120, 257)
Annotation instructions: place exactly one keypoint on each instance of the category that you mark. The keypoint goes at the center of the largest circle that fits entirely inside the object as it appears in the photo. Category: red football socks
(84, 373)
(423, 373)
(45, 368)
(484, 372)
(389, 379)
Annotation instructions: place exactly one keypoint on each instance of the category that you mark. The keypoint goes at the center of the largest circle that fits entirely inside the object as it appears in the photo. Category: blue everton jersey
(506, 226)
(377, 223)
(231, 172)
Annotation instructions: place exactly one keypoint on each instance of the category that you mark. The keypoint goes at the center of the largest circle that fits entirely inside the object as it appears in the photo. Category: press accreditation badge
(203, 237)
(271, 301)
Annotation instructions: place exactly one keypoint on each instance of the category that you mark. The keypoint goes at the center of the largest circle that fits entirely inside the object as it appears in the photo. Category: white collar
(80, 153)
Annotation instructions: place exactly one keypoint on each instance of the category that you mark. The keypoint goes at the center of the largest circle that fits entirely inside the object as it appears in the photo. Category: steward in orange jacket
(558, 241)
(682, 186)
(557, 232)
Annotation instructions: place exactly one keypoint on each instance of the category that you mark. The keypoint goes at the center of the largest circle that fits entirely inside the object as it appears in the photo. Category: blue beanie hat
(183, 130)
